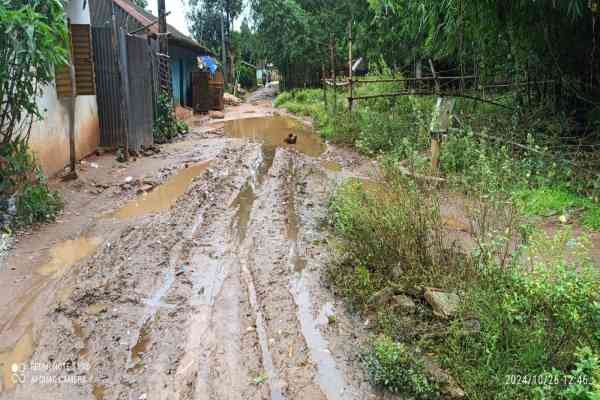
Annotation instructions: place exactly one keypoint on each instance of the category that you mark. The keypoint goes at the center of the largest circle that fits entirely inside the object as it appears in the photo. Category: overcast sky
(178, 10)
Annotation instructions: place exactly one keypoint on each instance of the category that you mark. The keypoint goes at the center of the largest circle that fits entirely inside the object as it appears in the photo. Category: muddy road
(202, 279)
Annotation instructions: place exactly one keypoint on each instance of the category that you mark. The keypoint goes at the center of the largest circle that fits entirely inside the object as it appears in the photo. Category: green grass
(548, 201)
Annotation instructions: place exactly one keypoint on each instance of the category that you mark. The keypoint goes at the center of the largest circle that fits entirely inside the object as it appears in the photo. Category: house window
(81, 54)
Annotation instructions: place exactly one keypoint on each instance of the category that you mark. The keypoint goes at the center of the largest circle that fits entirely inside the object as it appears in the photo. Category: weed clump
(535, 317)
(391, 366)
(25, 197)
(389, 230)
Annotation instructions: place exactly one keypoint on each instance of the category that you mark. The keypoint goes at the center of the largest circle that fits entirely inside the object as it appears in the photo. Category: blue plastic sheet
(210, 64)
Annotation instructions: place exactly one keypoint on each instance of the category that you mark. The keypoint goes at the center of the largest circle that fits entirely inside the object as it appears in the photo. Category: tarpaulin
(208, 63)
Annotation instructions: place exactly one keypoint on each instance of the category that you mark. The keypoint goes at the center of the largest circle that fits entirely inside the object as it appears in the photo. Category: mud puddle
(66, 254)
(271, 132)
(162, 197)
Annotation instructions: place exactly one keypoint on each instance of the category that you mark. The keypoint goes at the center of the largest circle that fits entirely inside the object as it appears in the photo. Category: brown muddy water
(164, 196)
(271, 132)
(64, 255)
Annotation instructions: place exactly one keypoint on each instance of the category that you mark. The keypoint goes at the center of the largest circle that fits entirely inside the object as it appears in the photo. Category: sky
(178, 10)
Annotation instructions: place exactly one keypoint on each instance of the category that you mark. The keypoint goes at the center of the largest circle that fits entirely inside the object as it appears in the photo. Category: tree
(33, 40)
(141, 3)
(206, 16)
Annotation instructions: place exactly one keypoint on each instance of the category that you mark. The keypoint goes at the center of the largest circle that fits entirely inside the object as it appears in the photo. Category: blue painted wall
(183, 61)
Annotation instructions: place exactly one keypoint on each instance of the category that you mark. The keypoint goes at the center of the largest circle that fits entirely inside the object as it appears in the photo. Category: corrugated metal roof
(145, 17)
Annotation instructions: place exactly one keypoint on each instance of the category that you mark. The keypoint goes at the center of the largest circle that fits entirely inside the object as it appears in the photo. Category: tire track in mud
(121, 316)
(216, 299)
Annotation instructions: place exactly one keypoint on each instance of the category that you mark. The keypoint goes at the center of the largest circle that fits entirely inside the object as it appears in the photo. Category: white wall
(77, 13)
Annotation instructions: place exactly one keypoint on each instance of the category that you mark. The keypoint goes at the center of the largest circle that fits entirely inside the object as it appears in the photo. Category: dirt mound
(231, 100)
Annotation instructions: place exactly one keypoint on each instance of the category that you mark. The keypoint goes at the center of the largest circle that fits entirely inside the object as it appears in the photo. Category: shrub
(247, 76)
(584, 379)
(390, 365)
(22, 179)
(383, 226)
(534, 318)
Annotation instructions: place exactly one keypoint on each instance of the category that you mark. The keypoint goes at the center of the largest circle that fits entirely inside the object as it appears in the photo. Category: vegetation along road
(398, 200)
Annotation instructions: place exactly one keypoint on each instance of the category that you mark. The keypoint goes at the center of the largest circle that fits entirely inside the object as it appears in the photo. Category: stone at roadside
(447, 384)
(384, 296)
(403, 303)
(444, 304)
(216, 114)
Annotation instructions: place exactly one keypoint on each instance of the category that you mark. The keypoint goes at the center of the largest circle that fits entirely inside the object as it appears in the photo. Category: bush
(247, 76)
(22, 180)
(534, 317)
(390, 365)
(386, 226)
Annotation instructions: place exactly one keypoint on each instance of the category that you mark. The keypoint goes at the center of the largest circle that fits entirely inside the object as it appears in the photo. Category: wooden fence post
(350, 99)
(324, 83)
(440, 122)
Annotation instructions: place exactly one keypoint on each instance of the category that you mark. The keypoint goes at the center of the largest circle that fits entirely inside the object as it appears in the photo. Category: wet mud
(210, 286)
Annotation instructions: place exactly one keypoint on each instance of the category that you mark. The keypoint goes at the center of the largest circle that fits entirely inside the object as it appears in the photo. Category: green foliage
(20, 177)
(591, 218)
(182, 127)
(384, 227)
(165, 122)
(390, 365)
(584, 380)
(247, 76)
(141, 3)
(33, 39)
(547, 200)
(205, 17)
(534, 316)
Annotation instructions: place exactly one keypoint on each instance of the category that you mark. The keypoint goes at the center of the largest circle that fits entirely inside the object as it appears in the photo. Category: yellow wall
(49, 138)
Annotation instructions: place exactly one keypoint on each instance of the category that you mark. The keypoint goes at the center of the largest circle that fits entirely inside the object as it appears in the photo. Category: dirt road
(207, 286)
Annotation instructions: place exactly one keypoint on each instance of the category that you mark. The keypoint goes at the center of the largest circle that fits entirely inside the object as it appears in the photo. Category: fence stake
(350, 99)
(324, 82)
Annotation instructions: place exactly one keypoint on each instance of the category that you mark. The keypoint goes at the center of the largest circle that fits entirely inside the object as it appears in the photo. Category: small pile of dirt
(231, 100)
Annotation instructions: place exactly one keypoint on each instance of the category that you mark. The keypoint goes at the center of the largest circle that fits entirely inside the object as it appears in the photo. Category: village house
(109, 111)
